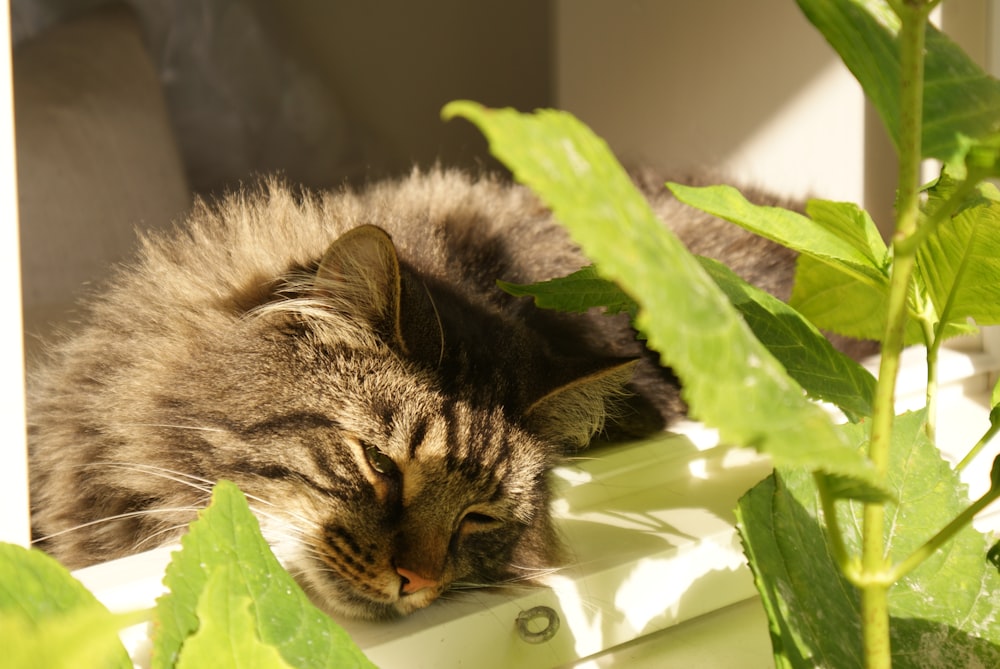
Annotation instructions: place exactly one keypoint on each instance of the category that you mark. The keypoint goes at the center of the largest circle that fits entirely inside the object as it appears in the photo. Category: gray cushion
(96, 156)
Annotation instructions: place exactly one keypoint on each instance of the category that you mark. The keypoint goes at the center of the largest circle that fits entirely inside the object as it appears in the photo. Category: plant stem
(939, 539)
(875, 587)
(834, 532)
(986, 438)
(933, 346)
(875, 626)
(874, 566)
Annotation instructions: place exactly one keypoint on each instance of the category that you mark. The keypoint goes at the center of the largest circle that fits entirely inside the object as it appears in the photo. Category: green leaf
(983, 159)
(942, 613)
(954, 589)
(823, 372)
(812, 610)
(836, 301)
(995, 404)
(79, 638)
(929, 495)
(842, 276)
(809, 358)
(852, 224)
(227, 615)
(730, 380)
(226, 536)
(960, 261)
(993, 555)
(582, 290)
(961, 102)
(50, 619)
(824, 241)
(34, 585)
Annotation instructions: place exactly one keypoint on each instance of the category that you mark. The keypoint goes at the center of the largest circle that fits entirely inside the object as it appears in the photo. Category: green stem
(875, 626)
(836, 536)
(874, 565)
(933, 347)
(129, 618)
(986, 438)
(942, 537)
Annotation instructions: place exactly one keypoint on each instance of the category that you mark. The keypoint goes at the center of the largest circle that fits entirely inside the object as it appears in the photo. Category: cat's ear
(359, 273)
(573, 413)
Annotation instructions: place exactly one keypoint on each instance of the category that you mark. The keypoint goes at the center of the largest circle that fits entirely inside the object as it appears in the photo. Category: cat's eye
(379, 461)
(474, 521)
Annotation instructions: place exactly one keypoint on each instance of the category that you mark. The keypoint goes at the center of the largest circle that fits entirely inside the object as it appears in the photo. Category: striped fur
(347, 360)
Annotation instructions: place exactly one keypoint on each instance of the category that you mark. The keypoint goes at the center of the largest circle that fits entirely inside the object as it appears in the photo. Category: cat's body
(391, 413)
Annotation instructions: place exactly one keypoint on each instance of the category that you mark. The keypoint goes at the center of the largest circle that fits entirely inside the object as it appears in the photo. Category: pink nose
(414, 582)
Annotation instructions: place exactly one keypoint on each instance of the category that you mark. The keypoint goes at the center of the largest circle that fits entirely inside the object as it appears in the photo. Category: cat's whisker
(120, 516)
(476, 596)
(573, 459)
(278, 536)
(315, 550)
(291, 515)
(531, 572)
(175, 530)
(463, 585)
(170, 474)
(173, 426)
(198, 483)
(283, 516)
(496, 585)
(440, 328)
(531, 579)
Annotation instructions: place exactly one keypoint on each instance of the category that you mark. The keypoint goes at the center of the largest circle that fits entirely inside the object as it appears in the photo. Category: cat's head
(386, 458)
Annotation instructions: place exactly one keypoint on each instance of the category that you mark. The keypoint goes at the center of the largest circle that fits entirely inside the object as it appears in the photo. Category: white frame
(14, 520)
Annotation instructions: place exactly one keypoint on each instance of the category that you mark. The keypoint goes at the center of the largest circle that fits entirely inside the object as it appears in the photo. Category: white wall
(13, 464)
(746, 86)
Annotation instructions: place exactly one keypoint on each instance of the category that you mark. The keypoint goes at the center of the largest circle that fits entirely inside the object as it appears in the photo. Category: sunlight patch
(656, 586)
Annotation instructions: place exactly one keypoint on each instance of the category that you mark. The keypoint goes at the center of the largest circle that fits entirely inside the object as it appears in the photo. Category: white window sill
(658, 574)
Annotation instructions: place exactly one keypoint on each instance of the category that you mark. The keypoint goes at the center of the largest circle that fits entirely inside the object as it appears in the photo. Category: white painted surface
(13, 460)
(748, 87)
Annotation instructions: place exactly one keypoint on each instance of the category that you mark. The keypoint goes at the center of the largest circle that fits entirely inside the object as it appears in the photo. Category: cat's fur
(391, 414)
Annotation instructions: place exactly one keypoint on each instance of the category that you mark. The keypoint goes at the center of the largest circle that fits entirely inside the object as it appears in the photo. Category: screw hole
(537, 625)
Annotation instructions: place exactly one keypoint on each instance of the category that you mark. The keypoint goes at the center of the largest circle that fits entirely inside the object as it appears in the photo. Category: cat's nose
(413, 582)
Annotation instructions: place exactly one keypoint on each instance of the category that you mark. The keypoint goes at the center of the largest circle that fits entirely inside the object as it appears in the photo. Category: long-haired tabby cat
(349, 362)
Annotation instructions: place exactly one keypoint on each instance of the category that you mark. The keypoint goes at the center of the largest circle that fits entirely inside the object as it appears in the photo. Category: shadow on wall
(396, 64)
(322, 91)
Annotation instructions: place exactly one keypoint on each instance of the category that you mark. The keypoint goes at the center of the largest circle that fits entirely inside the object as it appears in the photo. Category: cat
(347, 359)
